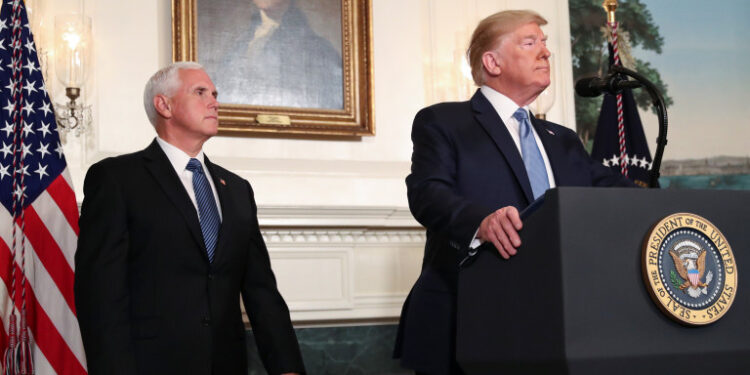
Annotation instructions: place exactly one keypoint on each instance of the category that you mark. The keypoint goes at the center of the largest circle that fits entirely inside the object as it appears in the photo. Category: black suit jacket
(465, 166)
(148, 301)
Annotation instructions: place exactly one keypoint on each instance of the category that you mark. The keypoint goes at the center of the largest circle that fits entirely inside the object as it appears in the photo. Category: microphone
(611, 83)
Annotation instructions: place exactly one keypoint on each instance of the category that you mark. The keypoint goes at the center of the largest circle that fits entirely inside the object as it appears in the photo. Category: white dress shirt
(262, 34)
(179, 160)
(505, 108)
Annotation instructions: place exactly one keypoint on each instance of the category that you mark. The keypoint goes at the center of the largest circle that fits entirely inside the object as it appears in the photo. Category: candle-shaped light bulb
(72, 38)
(73, 43)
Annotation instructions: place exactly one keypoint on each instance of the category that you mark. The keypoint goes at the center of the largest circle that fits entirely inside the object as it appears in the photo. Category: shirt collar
(178, 158)
(267, 25)
(503, 105)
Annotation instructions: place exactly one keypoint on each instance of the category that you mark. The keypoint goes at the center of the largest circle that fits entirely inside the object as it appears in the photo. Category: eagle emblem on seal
(690, 263)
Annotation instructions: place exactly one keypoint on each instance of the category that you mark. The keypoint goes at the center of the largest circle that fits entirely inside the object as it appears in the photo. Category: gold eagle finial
(610, 6)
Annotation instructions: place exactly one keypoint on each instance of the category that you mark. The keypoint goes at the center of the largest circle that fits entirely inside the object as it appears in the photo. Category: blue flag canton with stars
(39, 144)
(606, 149)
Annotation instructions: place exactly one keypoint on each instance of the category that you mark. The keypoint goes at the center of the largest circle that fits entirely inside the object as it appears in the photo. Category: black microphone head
(589, 87)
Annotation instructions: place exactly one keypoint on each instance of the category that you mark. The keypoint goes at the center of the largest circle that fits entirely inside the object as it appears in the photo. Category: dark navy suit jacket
(465, 166)
(148, 299)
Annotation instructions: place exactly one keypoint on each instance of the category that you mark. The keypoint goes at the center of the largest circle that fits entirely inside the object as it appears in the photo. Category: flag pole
(610, 6)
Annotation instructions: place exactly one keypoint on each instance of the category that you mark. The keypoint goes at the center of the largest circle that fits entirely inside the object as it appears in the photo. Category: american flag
(623, 149)
(36, 254)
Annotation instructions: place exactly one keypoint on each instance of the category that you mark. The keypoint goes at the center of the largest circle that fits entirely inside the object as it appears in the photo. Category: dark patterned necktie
(207, 211)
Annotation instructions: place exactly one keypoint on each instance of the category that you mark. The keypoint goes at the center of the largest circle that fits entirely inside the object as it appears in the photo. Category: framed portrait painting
(286, 67)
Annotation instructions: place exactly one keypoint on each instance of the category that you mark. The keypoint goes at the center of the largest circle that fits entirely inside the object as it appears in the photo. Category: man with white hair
(475, 164)
(168, 242)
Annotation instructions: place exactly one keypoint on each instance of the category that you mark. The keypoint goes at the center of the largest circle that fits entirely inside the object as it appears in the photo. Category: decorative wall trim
(343, 264)
(341, 217)
(343, 236)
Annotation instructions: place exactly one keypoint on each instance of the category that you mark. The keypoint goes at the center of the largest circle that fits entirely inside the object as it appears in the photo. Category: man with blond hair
(475, 164)
(168, 243)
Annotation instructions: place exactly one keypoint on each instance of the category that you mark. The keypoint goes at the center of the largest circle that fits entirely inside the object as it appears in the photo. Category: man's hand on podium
(501, 228)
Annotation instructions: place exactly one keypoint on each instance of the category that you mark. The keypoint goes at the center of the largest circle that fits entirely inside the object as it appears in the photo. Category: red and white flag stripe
(51, 231)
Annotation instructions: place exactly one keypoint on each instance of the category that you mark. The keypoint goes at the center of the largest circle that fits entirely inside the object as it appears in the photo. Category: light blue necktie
(207, 210)
(532, 158)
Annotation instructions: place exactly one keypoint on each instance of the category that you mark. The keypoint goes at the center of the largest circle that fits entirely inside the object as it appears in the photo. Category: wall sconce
(72, 60)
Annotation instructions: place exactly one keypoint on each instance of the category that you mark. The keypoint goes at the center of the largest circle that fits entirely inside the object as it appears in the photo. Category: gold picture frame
(351, 117)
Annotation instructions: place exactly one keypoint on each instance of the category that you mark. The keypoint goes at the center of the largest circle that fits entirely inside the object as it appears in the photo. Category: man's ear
(491, 63)
(163, 106)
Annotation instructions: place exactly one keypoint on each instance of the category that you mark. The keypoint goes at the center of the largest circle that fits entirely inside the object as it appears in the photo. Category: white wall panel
(314, 278)
(343, 273)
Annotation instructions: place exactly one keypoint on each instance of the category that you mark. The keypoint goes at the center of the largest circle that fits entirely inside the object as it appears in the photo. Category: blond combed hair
(489, 33)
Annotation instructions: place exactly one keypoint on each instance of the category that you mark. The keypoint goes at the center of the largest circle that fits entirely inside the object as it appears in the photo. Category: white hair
(164, 82)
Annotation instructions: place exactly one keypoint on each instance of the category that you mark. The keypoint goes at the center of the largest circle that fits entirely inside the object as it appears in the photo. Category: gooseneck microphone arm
(661, 110)
(614, 83)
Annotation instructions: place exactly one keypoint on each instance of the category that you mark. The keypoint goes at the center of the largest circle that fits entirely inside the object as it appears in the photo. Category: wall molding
(343, 264)
(345, 237)
(333, 217)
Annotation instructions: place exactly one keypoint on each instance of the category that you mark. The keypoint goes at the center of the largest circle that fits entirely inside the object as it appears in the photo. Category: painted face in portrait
(194, 107)
(523, 59)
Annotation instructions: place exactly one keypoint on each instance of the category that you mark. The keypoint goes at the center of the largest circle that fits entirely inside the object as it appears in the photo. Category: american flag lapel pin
(551, 132)
(221, 180)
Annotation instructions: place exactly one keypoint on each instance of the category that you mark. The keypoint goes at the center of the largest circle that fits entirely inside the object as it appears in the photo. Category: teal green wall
(355, 350)
(723, 182)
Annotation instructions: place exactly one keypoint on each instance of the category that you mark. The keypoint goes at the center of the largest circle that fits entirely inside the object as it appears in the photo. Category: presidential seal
(689, 269)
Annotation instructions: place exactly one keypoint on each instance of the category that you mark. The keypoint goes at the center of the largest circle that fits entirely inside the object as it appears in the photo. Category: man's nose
(213, 102)
(545, 52)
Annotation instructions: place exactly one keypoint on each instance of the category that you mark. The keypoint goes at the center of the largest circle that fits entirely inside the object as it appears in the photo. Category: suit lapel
(162, 171)
(219, 181)
(494, 126)
(553, 147)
